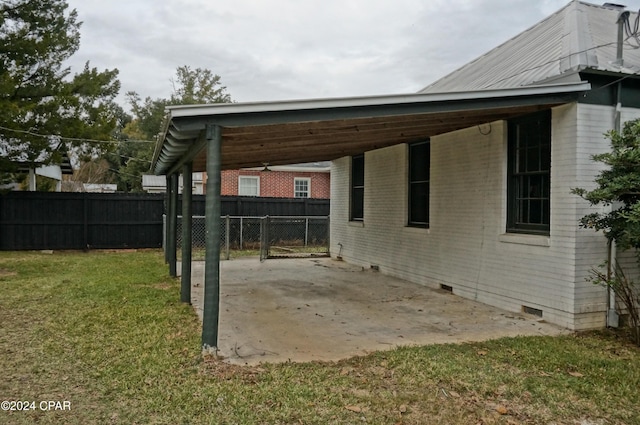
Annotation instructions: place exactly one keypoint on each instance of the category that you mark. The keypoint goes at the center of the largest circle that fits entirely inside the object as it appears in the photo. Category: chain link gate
(269, 237)
(294, 236)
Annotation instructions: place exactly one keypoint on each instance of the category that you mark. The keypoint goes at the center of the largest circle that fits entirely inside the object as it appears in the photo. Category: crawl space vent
(531, 310)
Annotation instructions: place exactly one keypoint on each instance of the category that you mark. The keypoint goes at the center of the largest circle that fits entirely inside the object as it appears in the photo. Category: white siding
(466, 246)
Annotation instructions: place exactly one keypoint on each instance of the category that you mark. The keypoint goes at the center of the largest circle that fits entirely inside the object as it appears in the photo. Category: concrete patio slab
(323, 309)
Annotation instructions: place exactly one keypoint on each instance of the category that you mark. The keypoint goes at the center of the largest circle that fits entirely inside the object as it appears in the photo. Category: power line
(72, 139)
(533, 68)
(632, 33)
(125, 174)
(134, 159)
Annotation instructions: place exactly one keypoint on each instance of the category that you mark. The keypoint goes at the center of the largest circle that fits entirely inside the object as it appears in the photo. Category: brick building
(285, 181)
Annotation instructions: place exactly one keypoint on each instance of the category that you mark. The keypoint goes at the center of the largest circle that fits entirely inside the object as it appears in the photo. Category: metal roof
(288, 132)
(580, 36)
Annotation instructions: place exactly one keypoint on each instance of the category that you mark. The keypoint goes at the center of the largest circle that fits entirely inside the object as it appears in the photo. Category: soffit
(281, 133)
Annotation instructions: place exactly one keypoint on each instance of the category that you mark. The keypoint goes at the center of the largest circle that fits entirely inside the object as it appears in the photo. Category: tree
(190, 87)
(44, 111)
(132, 158)
(197, 86)
(618, 186)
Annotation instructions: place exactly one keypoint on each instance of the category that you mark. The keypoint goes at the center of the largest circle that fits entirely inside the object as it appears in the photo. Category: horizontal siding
(593, 121)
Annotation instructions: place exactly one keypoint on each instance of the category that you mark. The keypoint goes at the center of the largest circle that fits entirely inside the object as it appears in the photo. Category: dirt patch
(6, 273)
(165, 286)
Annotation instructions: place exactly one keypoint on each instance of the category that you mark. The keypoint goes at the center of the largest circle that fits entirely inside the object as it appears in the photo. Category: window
(529, 174)
(301, 187)
(419, 168)
(357, 188)
(249, 186)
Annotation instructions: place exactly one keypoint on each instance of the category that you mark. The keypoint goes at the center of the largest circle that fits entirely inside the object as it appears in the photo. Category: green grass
(106, 331)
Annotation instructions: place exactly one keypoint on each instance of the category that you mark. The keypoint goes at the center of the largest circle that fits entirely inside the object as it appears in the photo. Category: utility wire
(125, 174)
(533, 68)
(72, 139)
(632, 33)
(134, 159)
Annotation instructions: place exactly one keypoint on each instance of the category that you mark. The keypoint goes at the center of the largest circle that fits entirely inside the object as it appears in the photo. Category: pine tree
(44, 110)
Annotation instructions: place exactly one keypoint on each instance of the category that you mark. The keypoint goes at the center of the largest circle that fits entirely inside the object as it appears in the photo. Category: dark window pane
(545, 158)
(419, 166)
(419, 172)
(535, 187)
(528, 189)
(357, 204)
(419, 209)
(357, 171)
(522, 183)
(535, 211)
(533, 159)
(357, 188)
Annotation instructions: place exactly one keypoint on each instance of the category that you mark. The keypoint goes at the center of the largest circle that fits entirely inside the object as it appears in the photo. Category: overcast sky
(267, 50)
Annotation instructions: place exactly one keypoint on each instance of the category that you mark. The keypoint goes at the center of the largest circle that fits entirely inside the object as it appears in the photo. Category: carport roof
(286, 132)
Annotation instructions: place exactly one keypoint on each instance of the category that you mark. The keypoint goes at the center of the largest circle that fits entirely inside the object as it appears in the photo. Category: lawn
(106, 333)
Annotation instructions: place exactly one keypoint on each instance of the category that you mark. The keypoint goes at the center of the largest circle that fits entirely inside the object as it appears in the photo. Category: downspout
(612, 314)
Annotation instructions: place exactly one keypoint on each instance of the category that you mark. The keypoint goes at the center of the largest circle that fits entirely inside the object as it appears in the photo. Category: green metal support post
(172, 219)
(211, 312)
(167, 208)
(185, 282)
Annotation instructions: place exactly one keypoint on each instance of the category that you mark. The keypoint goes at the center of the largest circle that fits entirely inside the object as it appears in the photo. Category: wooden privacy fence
(63, 220)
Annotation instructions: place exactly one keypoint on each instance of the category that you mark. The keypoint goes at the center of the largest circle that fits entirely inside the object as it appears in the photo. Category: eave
(287, 132)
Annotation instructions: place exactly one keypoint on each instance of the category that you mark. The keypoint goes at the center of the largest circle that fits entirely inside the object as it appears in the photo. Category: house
(100, 187)
(310, 180)
(487, 211)
(158, 184)
(464, 186)
(54, 172)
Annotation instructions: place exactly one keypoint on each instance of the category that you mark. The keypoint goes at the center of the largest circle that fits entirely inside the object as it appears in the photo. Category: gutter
(178, 111)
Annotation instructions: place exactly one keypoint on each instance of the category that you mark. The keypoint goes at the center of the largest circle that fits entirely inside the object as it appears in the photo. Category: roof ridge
(579, 36)
(577, 42)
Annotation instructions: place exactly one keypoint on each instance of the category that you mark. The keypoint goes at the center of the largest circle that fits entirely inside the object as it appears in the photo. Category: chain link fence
(269, 237)
(294, 237)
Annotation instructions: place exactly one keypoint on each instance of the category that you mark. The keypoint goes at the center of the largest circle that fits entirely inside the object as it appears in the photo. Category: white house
(486, 211)
(158, 184)
(465, 185)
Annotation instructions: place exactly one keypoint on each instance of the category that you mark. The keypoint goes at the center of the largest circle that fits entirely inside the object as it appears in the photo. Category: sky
(267, 50)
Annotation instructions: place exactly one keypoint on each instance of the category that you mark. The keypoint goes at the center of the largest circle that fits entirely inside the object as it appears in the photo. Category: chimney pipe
(622, 18)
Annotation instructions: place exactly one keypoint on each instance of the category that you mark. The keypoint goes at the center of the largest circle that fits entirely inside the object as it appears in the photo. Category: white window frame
(307, 180)
(247, 178)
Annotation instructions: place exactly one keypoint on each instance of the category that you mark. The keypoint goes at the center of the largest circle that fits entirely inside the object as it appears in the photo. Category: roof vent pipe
(622, 19)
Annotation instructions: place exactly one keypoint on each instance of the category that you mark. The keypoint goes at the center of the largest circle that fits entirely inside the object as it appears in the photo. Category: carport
(212, 138)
